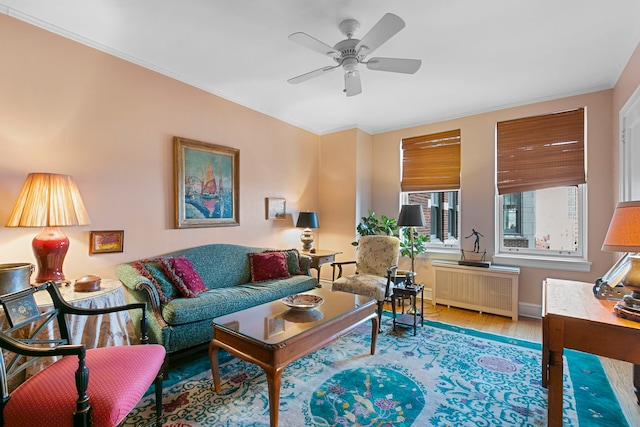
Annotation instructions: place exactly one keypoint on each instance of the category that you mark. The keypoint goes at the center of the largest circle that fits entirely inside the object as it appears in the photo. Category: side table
(402, 292)
(102, 330)
(321, 257)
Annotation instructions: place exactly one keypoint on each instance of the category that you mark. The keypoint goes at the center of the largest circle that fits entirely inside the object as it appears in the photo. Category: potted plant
(419, 242)
(371, 225)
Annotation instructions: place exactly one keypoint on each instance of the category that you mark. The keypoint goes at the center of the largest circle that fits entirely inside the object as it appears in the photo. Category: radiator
(491, 290)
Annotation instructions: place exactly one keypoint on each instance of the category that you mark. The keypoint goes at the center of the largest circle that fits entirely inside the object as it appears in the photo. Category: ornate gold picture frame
(106, 241)
(206, 181)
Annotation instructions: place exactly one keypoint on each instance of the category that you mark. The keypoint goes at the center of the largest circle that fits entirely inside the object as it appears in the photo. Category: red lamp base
(50, 247)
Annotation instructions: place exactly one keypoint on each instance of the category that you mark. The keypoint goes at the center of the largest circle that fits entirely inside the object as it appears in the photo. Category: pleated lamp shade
(49, 201)
(624, 236)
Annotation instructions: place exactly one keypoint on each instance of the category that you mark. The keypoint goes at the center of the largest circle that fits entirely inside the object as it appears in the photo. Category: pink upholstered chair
(376, 266)
(86, 387)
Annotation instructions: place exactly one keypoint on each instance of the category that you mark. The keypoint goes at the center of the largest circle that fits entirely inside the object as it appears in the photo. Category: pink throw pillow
(268, 266)
(183, 276)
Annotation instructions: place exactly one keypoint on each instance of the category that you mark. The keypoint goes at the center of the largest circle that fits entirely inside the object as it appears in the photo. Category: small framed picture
(106, 241)
(273, 325)
(276, 208)
(21, 309)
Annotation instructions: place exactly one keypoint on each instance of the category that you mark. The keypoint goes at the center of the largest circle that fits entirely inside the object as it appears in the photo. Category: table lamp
(49, 201)
(308, 220)
(411, 216)
(624, 236)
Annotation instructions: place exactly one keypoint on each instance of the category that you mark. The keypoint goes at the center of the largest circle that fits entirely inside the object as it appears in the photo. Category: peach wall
(626, 86)
(67, 108)
(338, 193)
(477, 180)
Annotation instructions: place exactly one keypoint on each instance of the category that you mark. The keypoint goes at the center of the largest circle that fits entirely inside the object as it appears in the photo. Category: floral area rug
(444, 376)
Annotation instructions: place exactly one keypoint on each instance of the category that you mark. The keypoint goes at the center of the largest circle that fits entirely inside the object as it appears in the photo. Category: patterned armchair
(94, 387)
(376, 265)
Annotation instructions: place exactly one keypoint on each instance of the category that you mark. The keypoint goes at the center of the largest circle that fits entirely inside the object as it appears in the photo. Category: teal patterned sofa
(181, 322)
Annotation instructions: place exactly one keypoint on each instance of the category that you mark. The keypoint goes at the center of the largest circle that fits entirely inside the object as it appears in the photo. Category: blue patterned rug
(445, 376)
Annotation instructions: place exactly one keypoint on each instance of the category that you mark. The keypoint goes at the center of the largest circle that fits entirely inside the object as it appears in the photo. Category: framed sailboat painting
(206, 184)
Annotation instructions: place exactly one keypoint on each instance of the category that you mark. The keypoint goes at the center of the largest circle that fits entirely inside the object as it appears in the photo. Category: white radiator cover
(490, 290)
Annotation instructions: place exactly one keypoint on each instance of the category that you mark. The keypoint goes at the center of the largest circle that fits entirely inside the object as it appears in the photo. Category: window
(452, 214)
(547, 220)
(441, 216)
(431, 178)
(540, 178)
(436, 219)
(512, 214)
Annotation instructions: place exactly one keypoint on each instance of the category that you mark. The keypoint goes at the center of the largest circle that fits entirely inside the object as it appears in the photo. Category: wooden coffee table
(272, 336)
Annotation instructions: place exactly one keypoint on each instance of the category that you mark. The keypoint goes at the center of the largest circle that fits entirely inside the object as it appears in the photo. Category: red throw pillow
(292, 256)
(183, 276)
(267, 266)
(154, 270)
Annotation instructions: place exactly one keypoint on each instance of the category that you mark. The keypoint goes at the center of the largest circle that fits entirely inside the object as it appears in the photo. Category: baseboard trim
(526, 309)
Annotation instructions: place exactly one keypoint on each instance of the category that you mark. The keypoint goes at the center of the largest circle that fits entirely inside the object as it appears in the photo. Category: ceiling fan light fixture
(349, 64)
(350, 52)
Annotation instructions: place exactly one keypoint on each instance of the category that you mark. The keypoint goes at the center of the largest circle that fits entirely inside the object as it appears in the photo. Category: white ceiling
(477, 55)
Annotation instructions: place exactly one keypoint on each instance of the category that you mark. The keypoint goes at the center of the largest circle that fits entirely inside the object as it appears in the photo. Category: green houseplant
(371, 225)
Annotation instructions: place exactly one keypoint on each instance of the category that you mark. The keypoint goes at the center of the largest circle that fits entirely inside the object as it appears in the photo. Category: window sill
(444, 254)
(577, 265)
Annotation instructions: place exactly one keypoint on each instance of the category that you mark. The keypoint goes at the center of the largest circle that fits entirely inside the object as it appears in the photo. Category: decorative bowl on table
(302, 301)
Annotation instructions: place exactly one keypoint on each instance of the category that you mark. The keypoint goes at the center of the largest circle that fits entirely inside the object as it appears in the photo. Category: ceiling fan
(350, 52)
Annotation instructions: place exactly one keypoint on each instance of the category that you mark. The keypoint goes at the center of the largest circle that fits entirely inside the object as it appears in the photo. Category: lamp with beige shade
(624, 236)
(49, 201)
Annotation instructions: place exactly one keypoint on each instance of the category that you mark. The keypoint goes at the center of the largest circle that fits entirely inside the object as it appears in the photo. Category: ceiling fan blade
(386, 28)
(352, 85)
(312, 74)
(395, 65)
(307, 41)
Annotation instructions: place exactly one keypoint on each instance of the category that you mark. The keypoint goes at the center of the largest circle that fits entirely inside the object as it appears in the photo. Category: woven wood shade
(540, 152)
(431, 162)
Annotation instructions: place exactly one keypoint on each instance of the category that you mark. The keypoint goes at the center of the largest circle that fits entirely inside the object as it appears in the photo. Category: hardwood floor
(619, 373)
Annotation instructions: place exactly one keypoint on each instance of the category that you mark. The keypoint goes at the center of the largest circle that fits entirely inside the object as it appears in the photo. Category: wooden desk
(573, 318)
(321, 257)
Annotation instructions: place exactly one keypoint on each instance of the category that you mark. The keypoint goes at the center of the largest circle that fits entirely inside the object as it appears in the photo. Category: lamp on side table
(624, 236)
(411, 216)
(307, 220)
(50, 201)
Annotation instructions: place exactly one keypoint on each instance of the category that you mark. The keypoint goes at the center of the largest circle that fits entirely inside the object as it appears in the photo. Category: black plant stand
(402, 292)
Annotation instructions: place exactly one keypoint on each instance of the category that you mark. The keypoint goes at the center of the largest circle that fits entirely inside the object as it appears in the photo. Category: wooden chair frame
(19, 310)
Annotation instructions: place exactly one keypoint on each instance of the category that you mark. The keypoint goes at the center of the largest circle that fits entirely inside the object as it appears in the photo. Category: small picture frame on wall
(276, 208)
(106, 241)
